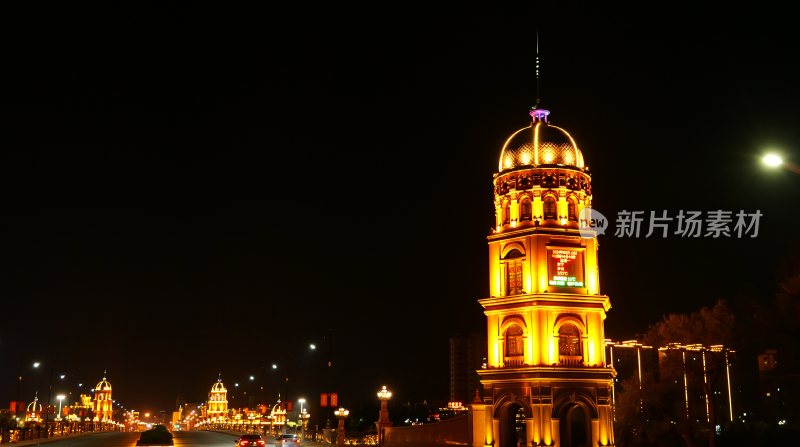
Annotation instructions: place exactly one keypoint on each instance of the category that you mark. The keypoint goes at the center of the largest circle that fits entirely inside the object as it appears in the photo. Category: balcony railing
(510, 362)
(570, 360)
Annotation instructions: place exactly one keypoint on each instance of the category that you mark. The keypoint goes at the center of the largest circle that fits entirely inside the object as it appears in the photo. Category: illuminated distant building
(700, 374)
(546, 380)
(467, 354)
(81, 408)
(34, 411)
(103, 405)
(217, 410)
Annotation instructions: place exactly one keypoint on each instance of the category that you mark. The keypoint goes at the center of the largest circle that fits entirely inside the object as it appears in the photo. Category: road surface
(182, 439)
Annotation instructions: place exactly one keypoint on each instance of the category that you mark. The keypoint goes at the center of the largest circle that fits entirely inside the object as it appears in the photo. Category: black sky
(192, 189)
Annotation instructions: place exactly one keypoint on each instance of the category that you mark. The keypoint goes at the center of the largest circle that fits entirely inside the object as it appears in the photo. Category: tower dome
(218, 387)
(541, 143)
(103, 385)
(35, 406)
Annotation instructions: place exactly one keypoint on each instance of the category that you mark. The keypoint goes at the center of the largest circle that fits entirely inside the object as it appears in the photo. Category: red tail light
(260, 442)
(244, 443)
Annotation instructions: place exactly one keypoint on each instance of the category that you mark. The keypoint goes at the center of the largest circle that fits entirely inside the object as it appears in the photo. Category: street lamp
(304, 416)
(383, 420)
(301, 401)
(774, 160)
(341, 414)
(60, 398)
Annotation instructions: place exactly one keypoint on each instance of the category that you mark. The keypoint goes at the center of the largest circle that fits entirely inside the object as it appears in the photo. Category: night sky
(194, 190)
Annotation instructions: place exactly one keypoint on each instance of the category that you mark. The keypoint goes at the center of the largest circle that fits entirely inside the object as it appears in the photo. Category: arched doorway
(576, 428)
(512, 425)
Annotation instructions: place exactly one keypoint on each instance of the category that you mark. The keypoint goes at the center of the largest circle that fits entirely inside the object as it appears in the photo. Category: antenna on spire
(104, 374)
(219, 377)
(538, 87)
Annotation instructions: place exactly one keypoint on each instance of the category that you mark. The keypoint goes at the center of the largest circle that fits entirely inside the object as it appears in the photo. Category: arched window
(514, 342)
(572, 210)
(506, 213)
(525, 210)
(549, 208)
(569, 345)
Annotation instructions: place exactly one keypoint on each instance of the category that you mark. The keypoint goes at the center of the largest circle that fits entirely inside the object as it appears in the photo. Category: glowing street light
(312, 346)
(303, 417)
(36, 364)
(772, 160)
(340, 414)
(383, 418)
(274, 366)
(60, 399)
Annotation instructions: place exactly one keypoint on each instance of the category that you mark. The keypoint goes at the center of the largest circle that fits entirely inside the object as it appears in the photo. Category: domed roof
(35, 406)
(541, 143)
(218, 387)
(103, 385)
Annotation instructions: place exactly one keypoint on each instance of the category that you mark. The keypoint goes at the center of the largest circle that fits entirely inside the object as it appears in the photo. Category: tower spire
(105, 371)
(219, 377)
(538, 83)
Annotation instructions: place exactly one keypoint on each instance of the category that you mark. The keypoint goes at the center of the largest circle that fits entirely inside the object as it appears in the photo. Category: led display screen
(565, 267)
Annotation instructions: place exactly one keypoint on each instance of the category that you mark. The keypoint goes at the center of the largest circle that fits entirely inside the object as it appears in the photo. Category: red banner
(323, 400)
(334, 399)
(289, 405)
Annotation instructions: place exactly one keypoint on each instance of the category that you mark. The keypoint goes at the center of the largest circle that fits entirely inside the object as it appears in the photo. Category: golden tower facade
(546, 380)
(103, 405)
(217, 402)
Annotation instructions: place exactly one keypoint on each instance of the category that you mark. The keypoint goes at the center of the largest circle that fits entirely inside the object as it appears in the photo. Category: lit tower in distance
(218, 401)
(546, 381)
(103, 405)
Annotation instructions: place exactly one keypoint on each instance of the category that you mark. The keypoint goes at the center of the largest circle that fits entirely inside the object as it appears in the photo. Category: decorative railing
(570, 360)
(510, 362)
(53, 429)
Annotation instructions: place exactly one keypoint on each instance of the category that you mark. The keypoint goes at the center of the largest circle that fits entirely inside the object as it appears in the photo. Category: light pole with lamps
(304, 416)
(301, 401)
(60, 399)
(383, 419)
(340, 414)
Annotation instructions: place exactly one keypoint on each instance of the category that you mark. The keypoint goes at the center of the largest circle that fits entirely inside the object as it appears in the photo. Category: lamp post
(383, 419)
(304, 416)
(60, 399)
(301, 401)
(340, 414)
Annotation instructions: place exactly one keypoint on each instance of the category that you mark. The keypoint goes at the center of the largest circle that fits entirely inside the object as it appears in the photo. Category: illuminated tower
(103, 405)
(34, 411)
(546, 381)
(218, 402)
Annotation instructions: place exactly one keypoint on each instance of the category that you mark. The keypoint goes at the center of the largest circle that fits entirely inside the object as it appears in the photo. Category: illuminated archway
(575, 429)
(512, 412)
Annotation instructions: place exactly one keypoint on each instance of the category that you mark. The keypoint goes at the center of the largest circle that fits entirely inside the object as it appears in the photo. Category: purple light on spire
(539, 115)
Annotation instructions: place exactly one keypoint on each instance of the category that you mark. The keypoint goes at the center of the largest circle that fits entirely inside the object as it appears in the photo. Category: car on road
(287, 439)
(249, 441)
